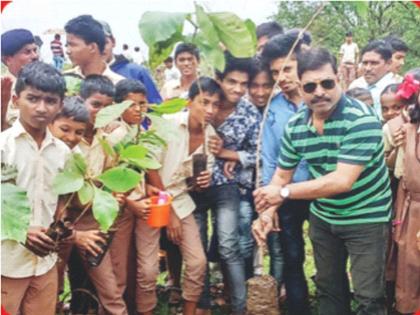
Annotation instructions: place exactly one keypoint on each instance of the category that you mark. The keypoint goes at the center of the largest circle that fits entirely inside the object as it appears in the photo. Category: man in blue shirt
(128, 69)
(293, 213)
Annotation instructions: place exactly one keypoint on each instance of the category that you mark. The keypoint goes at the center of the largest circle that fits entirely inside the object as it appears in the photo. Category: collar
(18, 130)
(384, 80)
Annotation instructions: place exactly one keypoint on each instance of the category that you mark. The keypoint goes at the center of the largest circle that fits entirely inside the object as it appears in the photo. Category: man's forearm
(229, 155)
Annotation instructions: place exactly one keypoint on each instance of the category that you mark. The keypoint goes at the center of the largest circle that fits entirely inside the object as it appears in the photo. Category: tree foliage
(382, 18)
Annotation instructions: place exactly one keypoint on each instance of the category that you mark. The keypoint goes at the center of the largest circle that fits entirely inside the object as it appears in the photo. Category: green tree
(382, 18)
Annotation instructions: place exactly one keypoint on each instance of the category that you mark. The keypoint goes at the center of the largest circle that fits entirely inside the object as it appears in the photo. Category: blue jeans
(292, 215)
(246, 240)
(223, 201)
(58, 62)
(275, 251)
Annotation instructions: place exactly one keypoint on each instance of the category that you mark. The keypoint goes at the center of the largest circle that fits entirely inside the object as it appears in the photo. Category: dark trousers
(292, 215)
(365, 245)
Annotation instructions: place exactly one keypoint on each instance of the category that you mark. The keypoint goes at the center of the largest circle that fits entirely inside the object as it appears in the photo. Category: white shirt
(172, 74)
(113, 76)
(375, 89)
(349, 52)
(37, 169)
(177, 163)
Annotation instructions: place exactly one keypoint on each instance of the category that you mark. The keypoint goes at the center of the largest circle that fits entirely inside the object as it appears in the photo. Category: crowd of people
(344, 159)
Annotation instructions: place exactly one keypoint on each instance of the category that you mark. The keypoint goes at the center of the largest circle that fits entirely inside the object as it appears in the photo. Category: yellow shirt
(177, 163)
(114, 77)
(37, 167)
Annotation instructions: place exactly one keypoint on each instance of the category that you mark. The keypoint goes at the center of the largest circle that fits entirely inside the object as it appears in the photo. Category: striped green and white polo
(352, 135)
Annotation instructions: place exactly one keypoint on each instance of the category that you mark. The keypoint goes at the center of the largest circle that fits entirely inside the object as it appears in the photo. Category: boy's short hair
(279, 47)
(397, 44)
(74, 108)
(41, 76)
(234, 64)
(87, 28)
(314, 59)
(187, 47)
(128, 86)
(207, 85)
(269, 29)
(96, 83)
(358, 92)
(390, 88)
(380, 47)
(257, 67)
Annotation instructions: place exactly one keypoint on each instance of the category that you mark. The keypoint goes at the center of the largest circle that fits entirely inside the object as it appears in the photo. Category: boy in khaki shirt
(193, 131)
(29, 281)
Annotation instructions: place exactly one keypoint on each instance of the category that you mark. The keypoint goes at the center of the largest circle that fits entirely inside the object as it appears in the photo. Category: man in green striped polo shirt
(341, 139)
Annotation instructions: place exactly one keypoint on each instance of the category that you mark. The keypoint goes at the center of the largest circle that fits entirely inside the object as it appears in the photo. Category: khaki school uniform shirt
(177, 163)
(114, 77)
(37, 168)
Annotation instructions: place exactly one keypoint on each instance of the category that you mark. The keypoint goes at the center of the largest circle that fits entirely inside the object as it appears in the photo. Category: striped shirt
(57, 48)
(352, 135)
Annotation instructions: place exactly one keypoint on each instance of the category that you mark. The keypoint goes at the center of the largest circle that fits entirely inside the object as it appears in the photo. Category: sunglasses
(327, 84)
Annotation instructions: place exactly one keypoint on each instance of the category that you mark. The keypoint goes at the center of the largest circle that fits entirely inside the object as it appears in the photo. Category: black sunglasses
(327, 84)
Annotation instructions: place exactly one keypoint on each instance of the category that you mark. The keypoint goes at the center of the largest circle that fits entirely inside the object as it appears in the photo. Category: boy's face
(204, 108)
(133, 115)
(260, 89)
(288, 81)
(391, 106)
(37, 108)
(95, 103)
(398, 60)
(234, 85)
(78, 50)
(68, 130)
(186, 63)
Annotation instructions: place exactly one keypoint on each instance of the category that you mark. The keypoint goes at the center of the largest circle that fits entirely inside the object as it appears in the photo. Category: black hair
(207, 85)
(315, 58)
(41, 76)
(169, 59)
(279, 47)
(269, 29)
(390, 88)
(234, 64)
(397, 44)
(380, 47)
(136, 48)
(306, 36)
(57, 36)
(358, 93)
(257, 67)
(96, 84)
(74, 108)
(125, 46)
(128, 86)
(415, 112)
(189, 48)
(87, 28)
(349, 34)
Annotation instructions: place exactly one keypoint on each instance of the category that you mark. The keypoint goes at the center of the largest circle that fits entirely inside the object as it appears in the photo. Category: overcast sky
(123, 15)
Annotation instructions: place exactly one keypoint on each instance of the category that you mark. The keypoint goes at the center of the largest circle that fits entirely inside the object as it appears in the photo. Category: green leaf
(133, 152)
(146, 163)
(161, 31)
(76, 164)
(85, 193)
(108, 149)
(8, 173)
(105, 208)
(67, 182)
(234, 34)
(252, 29)
(165, 129)
(213, 54)
(73, 85)
(206, 26)
(15, 213)
(111, 113)
(170, 106)
(120, 179)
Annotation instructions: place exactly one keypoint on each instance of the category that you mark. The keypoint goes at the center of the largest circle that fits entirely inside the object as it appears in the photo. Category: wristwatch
(285, 192)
